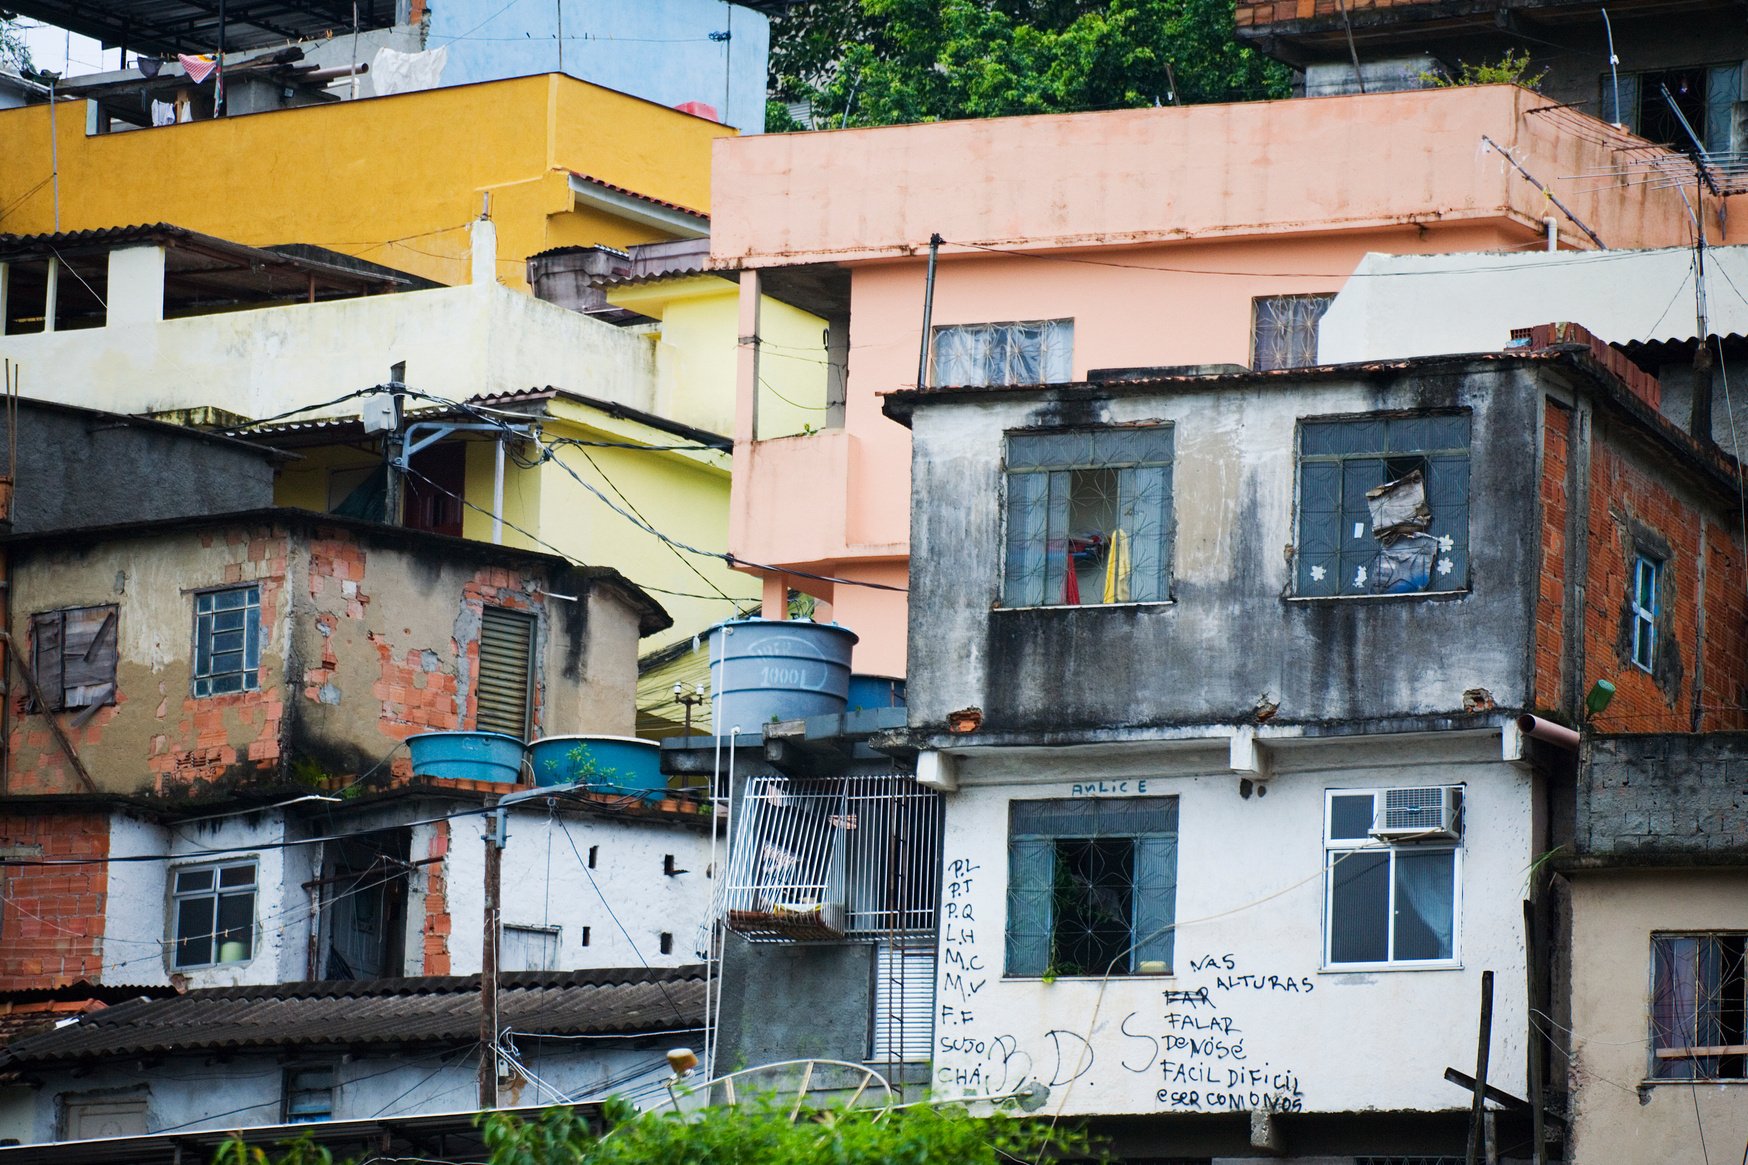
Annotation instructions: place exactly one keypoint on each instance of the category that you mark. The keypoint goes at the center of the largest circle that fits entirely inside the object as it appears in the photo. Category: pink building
(1076, 245)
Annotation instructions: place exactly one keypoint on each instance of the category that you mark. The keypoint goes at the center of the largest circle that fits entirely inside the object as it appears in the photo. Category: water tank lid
(760, 621)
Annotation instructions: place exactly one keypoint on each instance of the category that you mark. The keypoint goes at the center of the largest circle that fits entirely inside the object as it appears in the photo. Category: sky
(68, 54)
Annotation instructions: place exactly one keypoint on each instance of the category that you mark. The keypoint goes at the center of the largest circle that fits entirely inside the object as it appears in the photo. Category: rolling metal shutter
(504, 694)
(904, 1000)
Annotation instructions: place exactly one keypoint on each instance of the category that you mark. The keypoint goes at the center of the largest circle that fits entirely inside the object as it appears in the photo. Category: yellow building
(395, 180)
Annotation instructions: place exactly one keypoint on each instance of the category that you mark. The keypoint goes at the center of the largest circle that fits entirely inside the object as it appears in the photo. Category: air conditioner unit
(1433, 813)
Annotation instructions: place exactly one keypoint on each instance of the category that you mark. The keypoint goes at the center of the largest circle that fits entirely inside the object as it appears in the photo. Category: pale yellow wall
(685, 495)
(697, 337)
(1619, 1119)
(393, 179)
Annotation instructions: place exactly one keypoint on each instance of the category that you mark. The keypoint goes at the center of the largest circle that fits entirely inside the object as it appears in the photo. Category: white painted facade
(1249, 1015)
(624, 904)
(1397, 306)
(456, 342)
(220, 1090)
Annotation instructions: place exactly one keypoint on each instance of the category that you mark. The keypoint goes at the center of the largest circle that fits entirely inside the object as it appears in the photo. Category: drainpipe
(1553, 232)
(1557, 734)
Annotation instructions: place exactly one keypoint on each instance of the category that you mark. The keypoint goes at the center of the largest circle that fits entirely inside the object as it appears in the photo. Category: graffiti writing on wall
(1186, 1047)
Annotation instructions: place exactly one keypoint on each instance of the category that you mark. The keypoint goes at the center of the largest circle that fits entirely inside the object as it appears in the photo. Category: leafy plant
(763, 1132)
(1511, 69)
(584, 768)
(883, 62)
(14, 53)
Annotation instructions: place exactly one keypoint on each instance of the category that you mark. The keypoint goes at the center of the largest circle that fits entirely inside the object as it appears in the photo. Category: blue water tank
(868, 693)
(607, 764)
(777, 669)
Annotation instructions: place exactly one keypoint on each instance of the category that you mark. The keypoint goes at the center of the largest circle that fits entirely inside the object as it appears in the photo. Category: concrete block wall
(1665, 796)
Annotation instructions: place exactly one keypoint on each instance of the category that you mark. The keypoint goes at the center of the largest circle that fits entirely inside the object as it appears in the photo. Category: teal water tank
(777, 669)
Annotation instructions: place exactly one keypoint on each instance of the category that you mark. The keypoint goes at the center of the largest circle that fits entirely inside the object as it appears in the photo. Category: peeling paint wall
(365, 640)
(1234, 640)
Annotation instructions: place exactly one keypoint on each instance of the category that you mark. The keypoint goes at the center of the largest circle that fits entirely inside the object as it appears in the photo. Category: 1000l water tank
(763, 670)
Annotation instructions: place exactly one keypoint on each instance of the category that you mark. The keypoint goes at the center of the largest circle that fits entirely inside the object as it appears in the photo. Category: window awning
(172, 26)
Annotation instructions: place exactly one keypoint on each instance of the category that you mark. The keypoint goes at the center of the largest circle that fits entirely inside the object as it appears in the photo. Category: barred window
(1033, 352)
(1284, 330)
(1383, 505)
(1092, 886)
(1089, 517)
(1699, 1000)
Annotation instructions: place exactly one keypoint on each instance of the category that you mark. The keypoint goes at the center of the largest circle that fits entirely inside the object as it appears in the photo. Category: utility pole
(394, 485)
(496, 835)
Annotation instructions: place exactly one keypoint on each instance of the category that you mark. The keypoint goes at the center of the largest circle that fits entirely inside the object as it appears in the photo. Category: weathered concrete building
(1613, 63)
(1221, 677)
(1659, 917)
(1165, 211)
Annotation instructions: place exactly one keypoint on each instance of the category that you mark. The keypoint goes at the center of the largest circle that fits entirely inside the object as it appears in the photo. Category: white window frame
(177, 897)
(1645, 618)
(1335, 848)
(205, 630)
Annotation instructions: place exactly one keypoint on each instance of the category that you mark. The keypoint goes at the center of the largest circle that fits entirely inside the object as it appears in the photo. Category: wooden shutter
(88, 661)
(46, 635)
(505, 691)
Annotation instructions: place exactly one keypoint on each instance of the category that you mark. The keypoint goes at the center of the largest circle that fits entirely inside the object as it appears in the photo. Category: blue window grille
(1092, 886)
(1089, 517)
(1383, 506)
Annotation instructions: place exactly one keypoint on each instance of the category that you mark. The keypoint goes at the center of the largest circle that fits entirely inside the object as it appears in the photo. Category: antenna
(1700, 415)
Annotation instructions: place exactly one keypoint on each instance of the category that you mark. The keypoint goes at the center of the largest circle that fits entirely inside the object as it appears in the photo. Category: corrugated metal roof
(379, 1011)
(640, 196)
(170, 26)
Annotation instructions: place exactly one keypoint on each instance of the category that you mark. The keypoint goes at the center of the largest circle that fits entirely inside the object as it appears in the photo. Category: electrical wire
(546, 454)
(564, 826)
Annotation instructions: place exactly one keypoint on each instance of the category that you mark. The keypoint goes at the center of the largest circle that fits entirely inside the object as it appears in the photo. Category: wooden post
(1537, 1045)
(1477, 1111)
(488, 968)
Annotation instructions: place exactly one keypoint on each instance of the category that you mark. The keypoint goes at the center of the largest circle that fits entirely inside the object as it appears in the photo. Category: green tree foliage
(885, 62)
(751, 1134)
(1511, 69)
(14, 53)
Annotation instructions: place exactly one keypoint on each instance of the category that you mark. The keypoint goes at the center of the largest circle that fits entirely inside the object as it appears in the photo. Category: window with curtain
(1383, 505)
(1092, 886)
(1030, 352)
(1283, 331)
(1385, 903)
(212, 919)
(1699, 1007)
(1089, 517)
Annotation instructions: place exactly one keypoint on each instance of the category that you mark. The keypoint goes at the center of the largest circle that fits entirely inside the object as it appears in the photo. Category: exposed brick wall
(190, 742)
(1627, 503)
(1255, 12)
(51, 917)
(1664, 795)
(1630, 504)
(1551, 592)
(438, 922)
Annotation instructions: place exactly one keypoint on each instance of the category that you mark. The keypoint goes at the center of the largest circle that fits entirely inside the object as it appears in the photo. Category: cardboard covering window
(73, 653)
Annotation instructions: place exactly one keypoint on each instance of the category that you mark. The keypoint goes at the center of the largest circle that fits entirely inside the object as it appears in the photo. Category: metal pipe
(498, 494)
(1547, 730)
(922, 359)
(323, 76)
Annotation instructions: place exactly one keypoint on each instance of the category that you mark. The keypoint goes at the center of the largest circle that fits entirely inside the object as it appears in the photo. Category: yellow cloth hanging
(1117, 568)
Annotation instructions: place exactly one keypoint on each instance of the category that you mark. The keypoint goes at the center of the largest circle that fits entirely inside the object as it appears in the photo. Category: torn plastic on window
(1400, 517)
